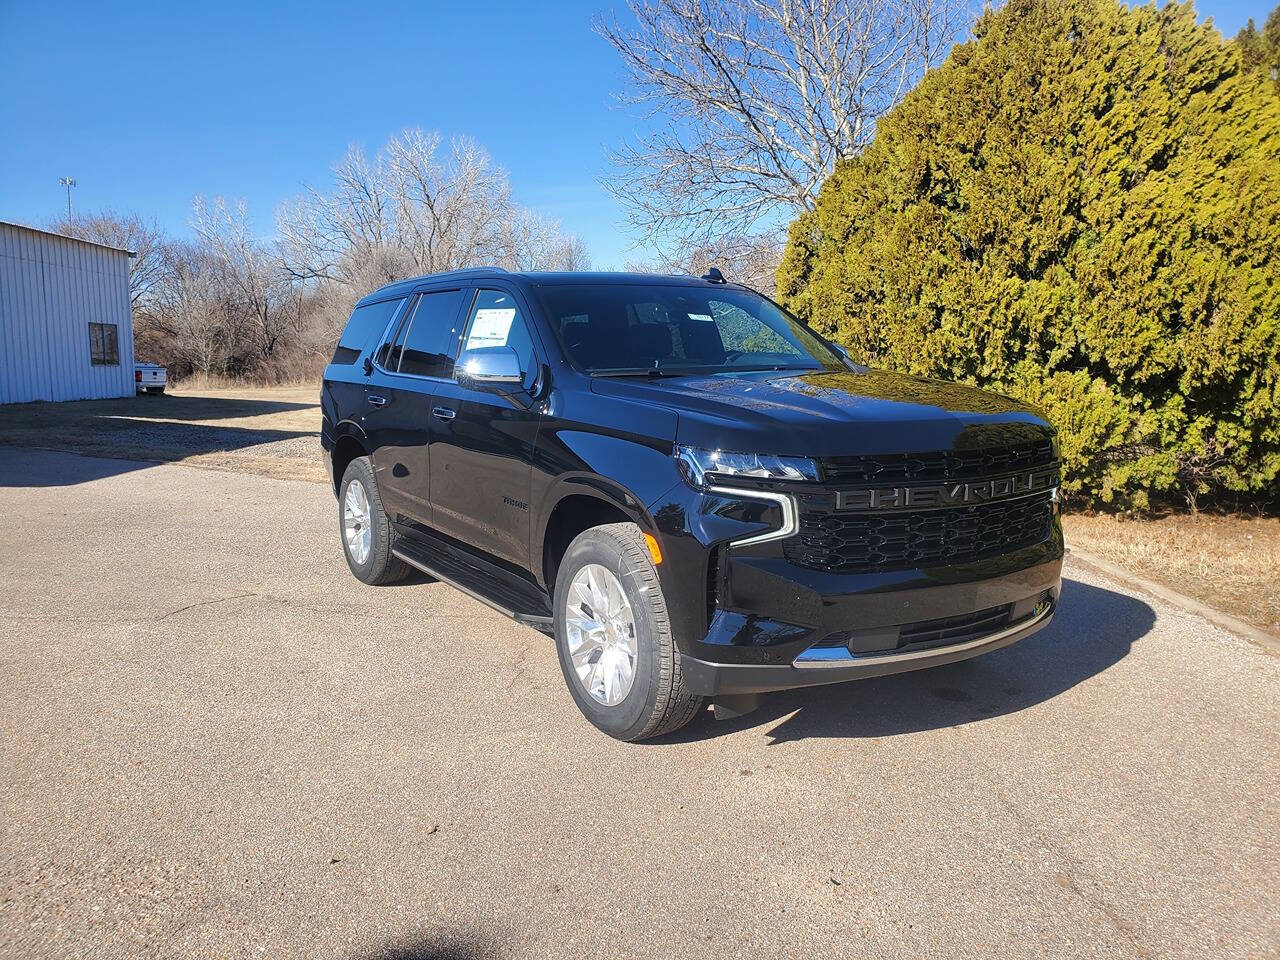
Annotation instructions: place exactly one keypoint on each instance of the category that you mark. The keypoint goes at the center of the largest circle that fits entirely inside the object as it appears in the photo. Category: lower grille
(907, 641)
(948, 630)
(858, 543)
(930, 633)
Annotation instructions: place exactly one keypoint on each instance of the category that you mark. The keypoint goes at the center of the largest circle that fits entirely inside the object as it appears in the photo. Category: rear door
(482, 438)
(344, 396)
(414, 357)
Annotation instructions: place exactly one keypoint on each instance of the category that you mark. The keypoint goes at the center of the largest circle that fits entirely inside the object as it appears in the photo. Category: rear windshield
(363, 329)
(619, 329)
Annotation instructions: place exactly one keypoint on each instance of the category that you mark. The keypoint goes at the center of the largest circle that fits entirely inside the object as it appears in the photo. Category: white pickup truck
(150, 377)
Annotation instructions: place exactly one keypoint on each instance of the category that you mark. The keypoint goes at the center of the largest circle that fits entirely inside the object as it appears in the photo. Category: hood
(823, 413)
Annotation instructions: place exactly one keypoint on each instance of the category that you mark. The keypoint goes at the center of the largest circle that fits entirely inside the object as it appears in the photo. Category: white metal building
(66, 331)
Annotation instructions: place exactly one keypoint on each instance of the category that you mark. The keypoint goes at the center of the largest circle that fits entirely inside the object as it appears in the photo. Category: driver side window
(496, 321)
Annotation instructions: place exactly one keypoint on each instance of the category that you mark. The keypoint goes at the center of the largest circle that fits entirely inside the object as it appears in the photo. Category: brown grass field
(1231, 563)
(1228, 562)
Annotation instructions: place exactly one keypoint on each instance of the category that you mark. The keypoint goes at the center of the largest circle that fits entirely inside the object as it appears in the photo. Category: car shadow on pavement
(1093, 629)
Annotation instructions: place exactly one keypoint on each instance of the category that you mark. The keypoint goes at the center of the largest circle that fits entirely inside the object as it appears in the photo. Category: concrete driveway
(217, 743)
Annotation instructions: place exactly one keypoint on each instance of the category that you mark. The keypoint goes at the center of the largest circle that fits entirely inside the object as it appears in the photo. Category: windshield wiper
(631, 372)
(779, 366)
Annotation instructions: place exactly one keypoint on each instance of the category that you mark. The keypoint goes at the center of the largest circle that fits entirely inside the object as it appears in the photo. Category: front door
(482, 439)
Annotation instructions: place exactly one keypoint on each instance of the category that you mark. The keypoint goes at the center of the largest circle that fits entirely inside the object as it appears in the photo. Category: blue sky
(149, 104)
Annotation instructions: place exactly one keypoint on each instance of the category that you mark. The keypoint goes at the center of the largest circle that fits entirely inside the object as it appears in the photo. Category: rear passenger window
(388, 356)
(363, 329)
(428, 346)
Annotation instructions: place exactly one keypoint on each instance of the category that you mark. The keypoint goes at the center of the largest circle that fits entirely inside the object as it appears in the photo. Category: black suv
(692, 491)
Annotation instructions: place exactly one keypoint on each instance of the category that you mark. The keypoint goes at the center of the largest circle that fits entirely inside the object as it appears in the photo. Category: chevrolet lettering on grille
(947, 494)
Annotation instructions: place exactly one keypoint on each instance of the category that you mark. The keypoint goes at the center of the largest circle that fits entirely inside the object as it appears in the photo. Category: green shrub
(1081, 208)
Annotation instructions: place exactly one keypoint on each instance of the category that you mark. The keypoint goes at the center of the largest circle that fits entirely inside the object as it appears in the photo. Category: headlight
(699, 465)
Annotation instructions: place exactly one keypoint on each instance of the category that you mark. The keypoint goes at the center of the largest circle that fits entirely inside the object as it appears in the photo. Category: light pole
(68, 182)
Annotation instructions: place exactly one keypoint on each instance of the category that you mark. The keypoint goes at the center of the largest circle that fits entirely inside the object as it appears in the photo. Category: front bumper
(743, 615)
(729, 679)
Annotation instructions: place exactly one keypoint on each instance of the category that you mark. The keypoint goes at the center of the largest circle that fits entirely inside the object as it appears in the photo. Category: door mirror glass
(482, 366)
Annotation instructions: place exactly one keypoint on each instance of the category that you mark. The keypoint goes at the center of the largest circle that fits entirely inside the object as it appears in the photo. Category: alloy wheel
(601, 630)
(356, 529)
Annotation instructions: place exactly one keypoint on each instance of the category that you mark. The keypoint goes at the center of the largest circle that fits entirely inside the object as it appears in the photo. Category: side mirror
(482, 366)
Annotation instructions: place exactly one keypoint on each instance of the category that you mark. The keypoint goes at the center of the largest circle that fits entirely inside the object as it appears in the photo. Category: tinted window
(365, 326)
(496, 321)
(388, 355)
(428, 346)
(104, 345)
(620, 327)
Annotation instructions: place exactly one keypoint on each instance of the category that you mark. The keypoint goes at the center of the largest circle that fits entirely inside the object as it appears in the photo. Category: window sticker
(491, 327)
(701, 316)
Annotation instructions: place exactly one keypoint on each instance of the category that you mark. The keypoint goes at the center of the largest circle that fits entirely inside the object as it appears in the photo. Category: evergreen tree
(1080, 208)
(1260, 51)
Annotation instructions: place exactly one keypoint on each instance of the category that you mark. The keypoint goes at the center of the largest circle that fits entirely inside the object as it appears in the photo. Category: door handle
(443, 413)
(377, 401)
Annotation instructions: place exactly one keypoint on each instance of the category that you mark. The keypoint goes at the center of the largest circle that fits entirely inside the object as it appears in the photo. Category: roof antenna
(713, 276)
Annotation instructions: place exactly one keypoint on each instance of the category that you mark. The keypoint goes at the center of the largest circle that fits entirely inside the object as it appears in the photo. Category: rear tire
(656, 701)
(367, 537)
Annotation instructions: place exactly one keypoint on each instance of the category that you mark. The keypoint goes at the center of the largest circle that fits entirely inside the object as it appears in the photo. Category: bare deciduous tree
(534, 242)
(126, 232)
(256, 284)
(754, 101)
(191, 311)
(751, 259)
(416, 208)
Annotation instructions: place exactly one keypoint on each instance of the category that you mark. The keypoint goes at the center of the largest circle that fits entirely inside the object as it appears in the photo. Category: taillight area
(137, 376)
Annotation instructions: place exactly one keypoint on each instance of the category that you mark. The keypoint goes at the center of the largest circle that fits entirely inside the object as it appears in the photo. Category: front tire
(613, 637)
(367, 537)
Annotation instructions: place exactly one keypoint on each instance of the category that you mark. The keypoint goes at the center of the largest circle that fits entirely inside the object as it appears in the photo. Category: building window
(104, 347)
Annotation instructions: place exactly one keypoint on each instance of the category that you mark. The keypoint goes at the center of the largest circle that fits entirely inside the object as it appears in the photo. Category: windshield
(620, 329)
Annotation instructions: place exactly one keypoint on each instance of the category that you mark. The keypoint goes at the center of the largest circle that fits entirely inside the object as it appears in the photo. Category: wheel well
(571, 516)
(344, 451)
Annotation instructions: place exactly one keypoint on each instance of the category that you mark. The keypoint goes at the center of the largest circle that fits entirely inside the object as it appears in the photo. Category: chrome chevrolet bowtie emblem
(921, 496)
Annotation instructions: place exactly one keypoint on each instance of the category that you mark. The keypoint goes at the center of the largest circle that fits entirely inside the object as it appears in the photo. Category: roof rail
(451, 273)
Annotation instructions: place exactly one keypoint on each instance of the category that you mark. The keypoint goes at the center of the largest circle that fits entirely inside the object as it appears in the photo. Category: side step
(487, 582)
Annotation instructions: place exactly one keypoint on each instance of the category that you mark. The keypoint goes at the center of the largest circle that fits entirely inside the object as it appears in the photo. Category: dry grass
(1231, 563)
(266, 430)
(202, 383)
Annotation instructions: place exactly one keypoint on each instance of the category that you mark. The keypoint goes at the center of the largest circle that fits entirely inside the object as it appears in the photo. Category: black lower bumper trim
(715, 679)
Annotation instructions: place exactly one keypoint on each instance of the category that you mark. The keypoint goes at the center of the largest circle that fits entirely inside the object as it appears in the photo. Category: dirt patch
(272, 431)
(1226, 562)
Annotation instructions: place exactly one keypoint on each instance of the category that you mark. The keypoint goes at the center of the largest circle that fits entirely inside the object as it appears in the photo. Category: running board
(486, 582)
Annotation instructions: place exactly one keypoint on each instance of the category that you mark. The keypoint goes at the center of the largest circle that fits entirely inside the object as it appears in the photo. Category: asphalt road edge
(1268, 641)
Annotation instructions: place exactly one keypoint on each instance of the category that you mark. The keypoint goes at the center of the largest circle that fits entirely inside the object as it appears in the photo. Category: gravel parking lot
(219, 744)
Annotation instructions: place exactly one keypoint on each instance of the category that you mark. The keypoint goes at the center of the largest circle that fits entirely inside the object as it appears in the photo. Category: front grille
(899, 540)
(892, 468)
